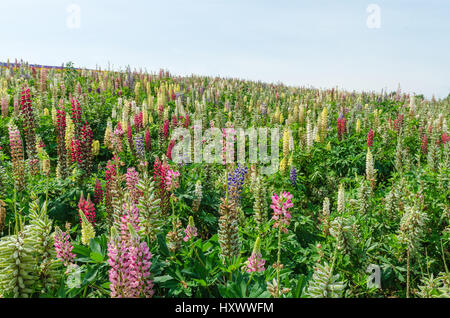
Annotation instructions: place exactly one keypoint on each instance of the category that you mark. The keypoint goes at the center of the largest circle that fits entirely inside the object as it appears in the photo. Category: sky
(317, 43)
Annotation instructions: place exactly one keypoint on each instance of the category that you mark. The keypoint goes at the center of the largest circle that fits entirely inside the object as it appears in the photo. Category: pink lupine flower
(280, 206)
(129, 259)
(118, 131)
(172, 180)
(63, 247)
(191, 230)
(255, 263)
(132, 177)
(130, 216)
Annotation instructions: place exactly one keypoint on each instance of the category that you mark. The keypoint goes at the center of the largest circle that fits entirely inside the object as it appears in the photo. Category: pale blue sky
(319, 43)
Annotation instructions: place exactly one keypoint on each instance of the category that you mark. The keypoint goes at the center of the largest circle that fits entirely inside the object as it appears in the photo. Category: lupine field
(93, 203)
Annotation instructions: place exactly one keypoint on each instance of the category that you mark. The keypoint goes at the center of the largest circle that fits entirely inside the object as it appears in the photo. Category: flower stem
(278, 262)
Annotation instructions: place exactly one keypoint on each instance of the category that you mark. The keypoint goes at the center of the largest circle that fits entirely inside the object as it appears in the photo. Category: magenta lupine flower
(280, 206)
(148, 140)
(255, 263)
(172, 180)
(63, 247)
(370, 138)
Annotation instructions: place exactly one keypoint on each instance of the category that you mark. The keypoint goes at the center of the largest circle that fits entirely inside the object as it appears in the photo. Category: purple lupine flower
(140, 146)
(293, 177)
(235, 182)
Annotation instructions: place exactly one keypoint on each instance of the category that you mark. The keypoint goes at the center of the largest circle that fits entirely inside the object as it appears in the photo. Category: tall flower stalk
(282, 216)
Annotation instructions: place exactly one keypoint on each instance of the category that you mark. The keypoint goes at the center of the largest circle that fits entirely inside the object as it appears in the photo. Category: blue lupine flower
(236, 182)
(293, 177)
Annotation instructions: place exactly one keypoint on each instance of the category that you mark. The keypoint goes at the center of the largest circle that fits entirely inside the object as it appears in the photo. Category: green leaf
(162, 245)
(81, 250)
(98, 257)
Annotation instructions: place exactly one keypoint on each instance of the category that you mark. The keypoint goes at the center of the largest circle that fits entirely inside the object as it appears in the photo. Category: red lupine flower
(170, 148)
(174, 121)
(370, 138)
(88, 209)
(186, 121)
(86, 147)
(424, 144)
(76, 151)
(166, 128)
(76, 117)
(159, 176)
(443, 139)
(138, 122)
(98, 192)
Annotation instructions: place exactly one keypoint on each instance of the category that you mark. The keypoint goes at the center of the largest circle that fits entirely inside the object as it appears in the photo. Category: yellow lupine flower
(283, 165)
(291, 160)
(95, 147)
(358, 126)
(69, 131)
(286, 136)
(87, 230)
